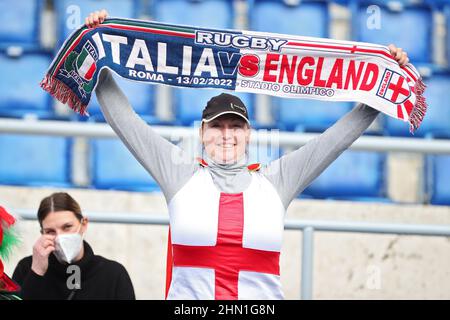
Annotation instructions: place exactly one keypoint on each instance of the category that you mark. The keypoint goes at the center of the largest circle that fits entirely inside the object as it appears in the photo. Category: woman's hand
(41, 251)
(399, 55)
(95, 18)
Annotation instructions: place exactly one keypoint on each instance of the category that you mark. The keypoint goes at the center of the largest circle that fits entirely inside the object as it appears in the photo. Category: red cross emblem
(228, 256)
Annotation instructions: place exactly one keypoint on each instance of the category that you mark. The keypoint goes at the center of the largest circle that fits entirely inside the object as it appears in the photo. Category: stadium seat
(35, 160)
(263, 153)
(437, 118)
(140, 96)
(308, 18)
(446, 11)
(189, 103)
(309, 115)
(20, 93)
(114, 167)
(20, 23)
(71, 13)
(199, 13)
(439, 186)
(354, 175)
(393, 20)
(392, 3)
(438, 3)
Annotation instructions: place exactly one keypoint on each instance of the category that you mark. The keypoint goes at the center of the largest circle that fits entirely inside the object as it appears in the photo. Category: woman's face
(61, 222)
(225, 138)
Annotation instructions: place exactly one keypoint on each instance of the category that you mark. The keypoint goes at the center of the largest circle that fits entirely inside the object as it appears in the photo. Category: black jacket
(100, 279)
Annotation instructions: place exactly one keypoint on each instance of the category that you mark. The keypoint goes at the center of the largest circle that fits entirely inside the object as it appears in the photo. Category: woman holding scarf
(226, 215)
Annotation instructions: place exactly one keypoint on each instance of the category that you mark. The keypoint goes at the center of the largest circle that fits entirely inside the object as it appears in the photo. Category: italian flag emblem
(86, 63)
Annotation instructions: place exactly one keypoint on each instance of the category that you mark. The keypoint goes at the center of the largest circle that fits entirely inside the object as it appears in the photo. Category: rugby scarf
(243, 61)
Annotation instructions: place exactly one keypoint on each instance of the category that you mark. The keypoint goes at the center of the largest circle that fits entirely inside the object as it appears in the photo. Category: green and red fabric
(243, 61)
(8, 240)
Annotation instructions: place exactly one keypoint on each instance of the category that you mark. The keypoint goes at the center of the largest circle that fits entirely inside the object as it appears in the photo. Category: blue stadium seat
(20, 92)
(189, 103)
(140, 96)
(309, 18)
(392, 25)
(440, 176)
(199, 13)
(438, 3)
(309, 115)
(437, 118)
(71, 13)
(394, 3)
(20, 23)
(35, 160)
(114, 167)
(354, 175)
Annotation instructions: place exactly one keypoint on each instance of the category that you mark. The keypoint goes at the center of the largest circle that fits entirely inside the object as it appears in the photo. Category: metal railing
(286, 139)
(309, 227)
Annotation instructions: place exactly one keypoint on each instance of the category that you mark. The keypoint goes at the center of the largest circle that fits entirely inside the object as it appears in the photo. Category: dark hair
(60, 201)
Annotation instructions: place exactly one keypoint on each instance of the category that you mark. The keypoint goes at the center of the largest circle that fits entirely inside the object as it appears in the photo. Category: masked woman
(63, 265)
(226, 215)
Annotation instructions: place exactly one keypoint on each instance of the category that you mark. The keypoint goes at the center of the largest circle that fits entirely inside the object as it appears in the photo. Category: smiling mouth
(227, 145)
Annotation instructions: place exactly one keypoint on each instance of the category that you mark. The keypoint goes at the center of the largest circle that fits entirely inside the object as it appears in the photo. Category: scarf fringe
(420, 108)
(63, 93)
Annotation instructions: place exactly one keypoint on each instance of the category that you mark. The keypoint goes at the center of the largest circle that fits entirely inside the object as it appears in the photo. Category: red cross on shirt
(228, 256)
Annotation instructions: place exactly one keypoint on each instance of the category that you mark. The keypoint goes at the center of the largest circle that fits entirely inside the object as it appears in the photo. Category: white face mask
(68, 246)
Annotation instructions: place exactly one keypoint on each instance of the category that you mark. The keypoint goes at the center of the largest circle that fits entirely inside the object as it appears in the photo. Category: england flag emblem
(394, 87)
(86, 61)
